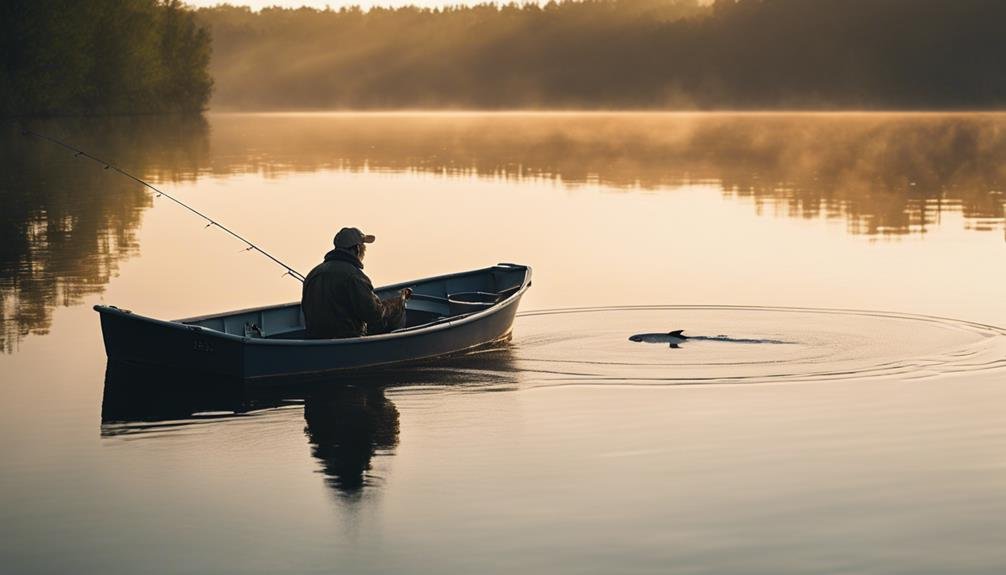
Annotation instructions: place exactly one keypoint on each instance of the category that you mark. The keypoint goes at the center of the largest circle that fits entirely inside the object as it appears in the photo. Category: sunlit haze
(650, 286)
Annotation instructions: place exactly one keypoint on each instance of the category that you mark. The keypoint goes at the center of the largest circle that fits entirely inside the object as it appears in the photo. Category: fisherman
(338, 299)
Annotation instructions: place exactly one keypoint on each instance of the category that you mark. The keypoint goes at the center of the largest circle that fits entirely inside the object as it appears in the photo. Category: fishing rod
(78, 153)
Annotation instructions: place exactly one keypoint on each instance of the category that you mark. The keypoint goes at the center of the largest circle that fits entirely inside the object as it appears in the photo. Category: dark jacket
(338, 299)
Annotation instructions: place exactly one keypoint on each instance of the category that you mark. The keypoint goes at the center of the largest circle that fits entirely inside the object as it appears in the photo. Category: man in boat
(338, 299)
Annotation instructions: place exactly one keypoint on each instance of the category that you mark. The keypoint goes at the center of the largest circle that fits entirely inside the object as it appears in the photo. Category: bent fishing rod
(78, 153)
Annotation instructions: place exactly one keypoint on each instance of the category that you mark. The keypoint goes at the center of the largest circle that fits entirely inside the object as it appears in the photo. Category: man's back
(338, 299)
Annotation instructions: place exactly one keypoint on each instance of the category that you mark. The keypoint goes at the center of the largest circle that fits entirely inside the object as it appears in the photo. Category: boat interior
(434, 301)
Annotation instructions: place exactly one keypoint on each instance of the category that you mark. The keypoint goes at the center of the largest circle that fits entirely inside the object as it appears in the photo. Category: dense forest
(615, 54)
(63, 57)
(142, 56)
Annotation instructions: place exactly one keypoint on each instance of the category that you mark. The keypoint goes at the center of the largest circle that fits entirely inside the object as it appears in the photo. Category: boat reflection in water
(348, 418)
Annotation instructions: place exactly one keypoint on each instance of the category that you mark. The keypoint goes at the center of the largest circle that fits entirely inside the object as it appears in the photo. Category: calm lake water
(857, 426)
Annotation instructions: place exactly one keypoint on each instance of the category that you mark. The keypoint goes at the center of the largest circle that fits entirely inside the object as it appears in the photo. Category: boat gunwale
(419, 330)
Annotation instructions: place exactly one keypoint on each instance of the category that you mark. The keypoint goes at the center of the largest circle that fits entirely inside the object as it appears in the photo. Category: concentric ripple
(590, 345)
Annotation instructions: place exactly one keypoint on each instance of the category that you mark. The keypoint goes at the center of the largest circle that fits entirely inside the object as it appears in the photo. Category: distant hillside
(615, 54)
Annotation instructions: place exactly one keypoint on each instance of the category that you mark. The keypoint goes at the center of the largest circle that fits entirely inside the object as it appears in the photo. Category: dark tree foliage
(615, 54)
(102, 57)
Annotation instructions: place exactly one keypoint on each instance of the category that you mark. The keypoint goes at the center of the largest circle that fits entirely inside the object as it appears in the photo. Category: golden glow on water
(878, 170)
(588, 246)
(573, 460)
(630, 206)
(616, 209)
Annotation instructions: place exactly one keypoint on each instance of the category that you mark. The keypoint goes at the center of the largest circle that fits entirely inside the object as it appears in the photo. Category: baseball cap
(349, 237)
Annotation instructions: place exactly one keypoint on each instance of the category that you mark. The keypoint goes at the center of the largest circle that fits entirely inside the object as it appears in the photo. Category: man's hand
(406, 293)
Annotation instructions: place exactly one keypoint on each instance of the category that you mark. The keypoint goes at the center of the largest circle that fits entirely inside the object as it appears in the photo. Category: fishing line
(210, 222)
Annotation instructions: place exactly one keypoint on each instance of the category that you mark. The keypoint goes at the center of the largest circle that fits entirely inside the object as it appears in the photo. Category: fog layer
(798, 54)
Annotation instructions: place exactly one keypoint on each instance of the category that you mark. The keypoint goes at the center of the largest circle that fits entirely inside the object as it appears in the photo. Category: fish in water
(676, 337)
(672, 338)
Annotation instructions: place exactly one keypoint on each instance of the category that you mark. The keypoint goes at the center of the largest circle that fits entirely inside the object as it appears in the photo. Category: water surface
(871, 441)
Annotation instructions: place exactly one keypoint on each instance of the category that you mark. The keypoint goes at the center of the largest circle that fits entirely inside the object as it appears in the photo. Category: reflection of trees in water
(65, 223)
(885, 174)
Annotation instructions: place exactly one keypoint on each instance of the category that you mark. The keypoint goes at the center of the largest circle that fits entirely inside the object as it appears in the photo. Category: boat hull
(185, 344)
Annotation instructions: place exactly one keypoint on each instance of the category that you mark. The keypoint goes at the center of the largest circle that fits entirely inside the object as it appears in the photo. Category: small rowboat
(446, 315)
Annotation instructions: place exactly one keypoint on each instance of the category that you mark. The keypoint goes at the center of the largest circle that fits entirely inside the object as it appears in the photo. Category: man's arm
(366, 305)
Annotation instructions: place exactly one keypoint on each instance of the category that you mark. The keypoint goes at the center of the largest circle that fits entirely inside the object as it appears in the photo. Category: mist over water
(613, 55)
(870, 441)
(880, 175)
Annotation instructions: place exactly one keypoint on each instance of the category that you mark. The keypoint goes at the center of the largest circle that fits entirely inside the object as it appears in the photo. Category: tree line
(136, 56)
(614, 54)
(66, 57)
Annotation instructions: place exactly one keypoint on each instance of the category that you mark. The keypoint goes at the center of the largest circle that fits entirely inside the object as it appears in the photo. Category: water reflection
(138, 399)
(64, 225)
(882, 173)
(348, 419)
(345, 427)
